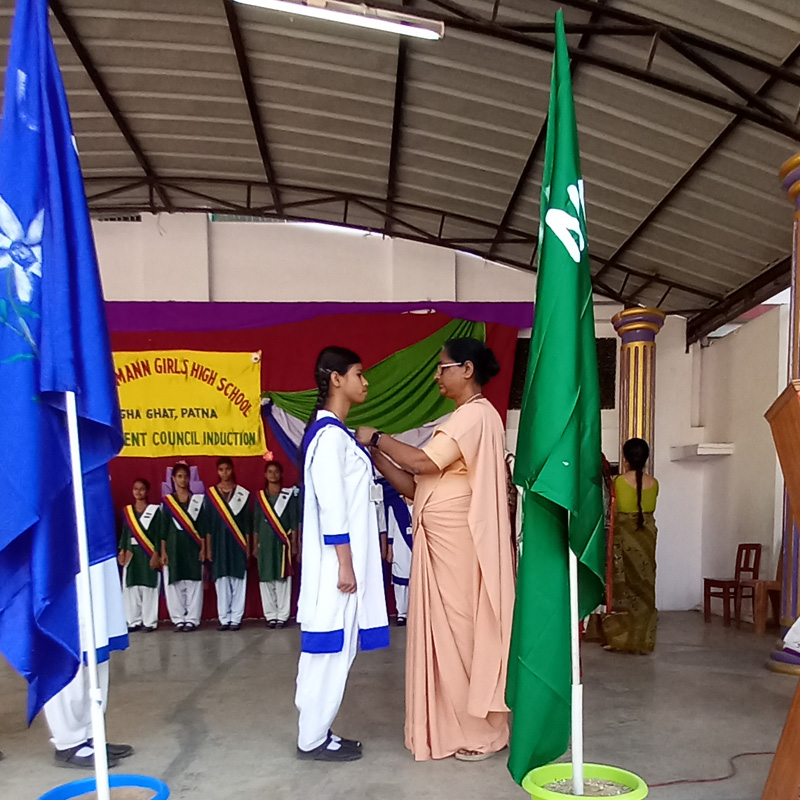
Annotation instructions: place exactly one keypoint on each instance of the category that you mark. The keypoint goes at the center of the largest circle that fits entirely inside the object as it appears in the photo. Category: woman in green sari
(631, 625)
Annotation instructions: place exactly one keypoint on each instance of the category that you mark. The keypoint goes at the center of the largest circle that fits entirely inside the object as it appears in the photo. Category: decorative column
(637, 328)
(790, 602)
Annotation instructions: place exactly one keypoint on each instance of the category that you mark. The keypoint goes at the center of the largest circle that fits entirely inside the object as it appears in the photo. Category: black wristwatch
(376, 437)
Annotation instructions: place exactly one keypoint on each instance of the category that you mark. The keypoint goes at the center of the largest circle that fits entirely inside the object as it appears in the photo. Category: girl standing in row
(139, 556)
(183, 551)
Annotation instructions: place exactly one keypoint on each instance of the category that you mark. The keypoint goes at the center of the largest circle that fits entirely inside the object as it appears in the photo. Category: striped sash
(138, 531)
(182, 518)
(277, 528)
(227, 517)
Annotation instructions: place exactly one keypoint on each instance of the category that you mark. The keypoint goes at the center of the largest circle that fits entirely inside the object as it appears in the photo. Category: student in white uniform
(398, 523)
(69, 713)
(342, 605)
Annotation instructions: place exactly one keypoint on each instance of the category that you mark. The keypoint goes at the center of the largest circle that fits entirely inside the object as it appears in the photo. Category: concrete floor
(212, 715)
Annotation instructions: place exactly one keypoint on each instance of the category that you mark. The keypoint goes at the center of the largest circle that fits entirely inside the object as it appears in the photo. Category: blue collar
(323, 422)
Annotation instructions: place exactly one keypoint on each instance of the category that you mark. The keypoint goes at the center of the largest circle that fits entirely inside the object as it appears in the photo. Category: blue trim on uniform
(104, 653)
(337, 538)
(322, 641)
(373, 638)
(400, 581)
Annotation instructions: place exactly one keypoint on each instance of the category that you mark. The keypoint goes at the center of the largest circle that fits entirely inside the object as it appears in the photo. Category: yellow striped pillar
(790, 603)
(637, 327)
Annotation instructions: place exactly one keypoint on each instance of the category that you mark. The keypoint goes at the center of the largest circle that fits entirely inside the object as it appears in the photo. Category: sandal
(472, 755)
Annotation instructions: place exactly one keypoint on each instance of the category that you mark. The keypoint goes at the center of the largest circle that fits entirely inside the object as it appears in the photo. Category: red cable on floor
(714, 780)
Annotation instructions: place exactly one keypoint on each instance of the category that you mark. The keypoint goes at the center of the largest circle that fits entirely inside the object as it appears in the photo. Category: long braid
(640, 516)
(323, 392)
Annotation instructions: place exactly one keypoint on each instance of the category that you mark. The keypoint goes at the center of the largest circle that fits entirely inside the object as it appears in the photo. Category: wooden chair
(765, 593)
(748, 562)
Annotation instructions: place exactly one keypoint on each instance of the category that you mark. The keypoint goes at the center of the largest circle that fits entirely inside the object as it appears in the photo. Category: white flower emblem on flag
(21, 250)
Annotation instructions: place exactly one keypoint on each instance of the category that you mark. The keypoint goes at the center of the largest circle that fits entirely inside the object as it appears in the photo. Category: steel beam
(687, 175)
(108, 99)
(252, 101)
(762, 287)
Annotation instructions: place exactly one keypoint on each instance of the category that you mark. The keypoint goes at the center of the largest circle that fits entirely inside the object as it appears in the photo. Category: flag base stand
(86, 785)
(536, 780)
(783, 663)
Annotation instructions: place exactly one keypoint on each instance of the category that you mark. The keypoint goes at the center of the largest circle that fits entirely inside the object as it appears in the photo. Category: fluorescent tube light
(362, 16)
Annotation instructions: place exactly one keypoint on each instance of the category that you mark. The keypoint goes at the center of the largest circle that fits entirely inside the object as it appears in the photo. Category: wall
(742, 375)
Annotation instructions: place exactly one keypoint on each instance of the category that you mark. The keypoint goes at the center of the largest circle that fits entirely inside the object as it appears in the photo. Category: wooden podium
(783, 416)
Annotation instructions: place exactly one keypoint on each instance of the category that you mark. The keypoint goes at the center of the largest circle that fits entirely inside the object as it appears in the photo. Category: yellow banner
(190, 403)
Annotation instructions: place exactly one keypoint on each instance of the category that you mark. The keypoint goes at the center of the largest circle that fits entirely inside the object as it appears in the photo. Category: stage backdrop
(290, 336)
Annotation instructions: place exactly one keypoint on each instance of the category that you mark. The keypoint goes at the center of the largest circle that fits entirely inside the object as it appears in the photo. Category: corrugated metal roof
(685, 111)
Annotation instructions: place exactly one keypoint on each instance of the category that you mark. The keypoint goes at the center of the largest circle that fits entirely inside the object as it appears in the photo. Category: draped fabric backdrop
(290, 336)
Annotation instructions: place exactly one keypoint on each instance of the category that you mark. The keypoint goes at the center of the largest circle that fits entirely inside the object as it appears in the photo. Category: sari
(631, 625)
(461, 592)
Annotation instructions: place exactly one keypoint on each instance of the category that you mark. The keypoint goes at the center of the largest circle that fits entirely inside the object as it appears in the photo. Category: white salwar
(231, 593)
(399, 538)
(340, 507)
(68, 714)
(276, 599)
(140, 602)
(184, 600)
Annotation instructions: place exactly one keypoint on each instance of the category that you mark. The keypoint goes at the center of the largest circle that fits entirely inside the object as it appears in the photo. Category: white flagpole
(85, 603)
(577, 687)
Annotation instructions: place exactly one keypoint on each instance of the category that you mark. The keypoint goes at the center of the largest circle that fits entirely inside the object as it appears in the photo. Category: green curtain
(402, 394)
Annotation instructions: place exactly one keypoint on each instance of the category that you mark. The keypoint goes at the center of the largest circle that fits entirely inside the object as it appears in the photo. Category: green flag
(558, 452)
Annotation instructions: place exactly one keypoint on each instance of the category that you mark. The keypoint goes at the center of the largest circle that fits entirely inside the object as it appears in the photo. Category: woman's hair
(180, 466)
(473, 350)
(636, 452)
(229, 461)
(144, 482)
(330, 360)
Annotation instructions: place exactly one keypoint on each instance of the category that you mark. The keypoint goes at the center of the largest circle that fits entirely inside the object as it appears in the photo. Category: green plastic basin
(535, 781)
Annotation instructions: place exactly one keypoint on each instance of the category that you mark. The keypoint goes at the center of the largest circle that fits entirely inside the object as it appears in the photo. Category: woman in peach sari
(462, 582)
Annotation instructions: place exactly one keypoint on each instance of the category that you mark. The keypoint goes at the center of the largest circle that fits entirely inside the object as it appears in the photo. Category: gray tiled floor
(212, 714)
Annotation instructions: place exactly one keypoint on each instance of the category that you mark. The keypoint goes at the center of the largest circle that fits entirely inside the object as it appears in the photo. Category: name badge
(375, 493)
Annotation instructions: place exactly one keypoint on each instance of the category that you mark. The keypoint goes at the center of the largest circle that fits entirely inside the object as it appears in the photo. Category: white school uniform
(68, 714)
(340, 507)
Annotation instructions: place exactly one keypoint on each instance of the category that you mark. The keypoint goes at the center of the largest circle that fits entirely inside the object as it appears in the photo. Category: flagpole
(85, 603)
(577, 686)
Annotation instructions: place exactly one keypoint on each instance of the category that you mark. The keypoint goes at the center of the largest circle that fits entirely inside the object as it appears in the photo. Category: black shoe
(180, 627)
(401, 622)
(273, 623)
(135, 628)
(280, 624)
(70, 758)
(223, 627)
(150, 630)
(116, 750)
(324, 753)
(234, 627)
(353, 743)
(189, 627)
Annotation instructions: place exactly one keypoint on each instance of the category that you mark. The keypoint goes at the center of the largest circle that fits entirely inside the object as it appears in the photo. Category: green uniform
(229, 559)
(139, 572)
(274, 560)
(183, 552)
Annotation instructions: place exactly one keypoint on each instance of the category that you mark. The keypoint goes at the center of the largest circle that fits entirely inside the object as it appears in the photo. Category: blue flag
(53, 339)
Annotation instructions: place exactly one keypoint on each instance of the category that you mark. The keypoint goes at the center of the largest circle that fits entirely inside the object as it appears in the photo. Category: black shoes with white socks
(334, 748)
(82, 756)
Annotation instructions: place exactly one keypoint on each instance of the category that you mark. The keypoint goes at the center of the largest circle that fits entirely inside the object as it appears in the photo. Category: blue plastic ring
(85, 785)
